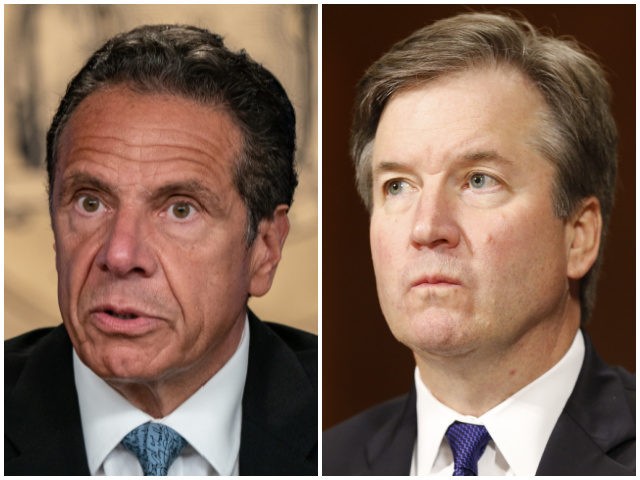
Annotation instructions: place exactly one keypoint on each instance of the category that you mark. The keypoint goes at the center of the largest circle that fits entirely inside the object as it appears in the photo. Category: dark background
(362, 363)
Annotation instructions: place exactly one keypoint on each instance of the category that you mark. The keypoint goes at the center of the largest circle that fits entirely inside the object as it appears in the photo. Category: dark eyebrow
(192, 188)
(189, 187)
(84, 180)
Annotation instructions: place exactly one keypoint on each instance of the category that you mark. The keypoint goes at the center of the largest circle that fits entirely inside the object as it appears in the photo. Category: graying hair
(579, 136)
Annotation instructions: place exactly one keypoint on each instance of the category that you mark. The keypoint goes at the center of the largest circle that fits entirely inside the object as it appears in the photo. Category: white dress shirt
(520, 426)
(210, 421)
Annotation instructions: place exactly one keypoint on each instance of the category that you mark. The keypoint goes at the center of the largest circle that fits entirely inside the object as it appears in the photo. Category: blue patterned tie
(467, 443)
(155, 445)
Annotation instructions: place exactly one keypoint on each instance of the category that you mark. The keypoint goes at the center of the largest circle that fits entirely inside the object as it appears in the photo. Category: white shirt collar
(210, 420)
(520, 426)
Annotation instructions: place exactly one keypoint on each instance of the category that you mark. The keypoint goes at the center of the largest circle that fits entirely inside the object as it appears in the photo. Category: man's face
(467, 251)
(153, 267)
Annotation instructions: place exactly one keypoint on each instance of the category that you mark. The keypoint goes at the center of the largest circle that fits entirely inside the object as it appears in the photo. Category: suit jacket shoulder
(43, 432)
(594, 435)
(16, 354)
(378, 441)
(280, 402)
(303, 344)
(596, 431)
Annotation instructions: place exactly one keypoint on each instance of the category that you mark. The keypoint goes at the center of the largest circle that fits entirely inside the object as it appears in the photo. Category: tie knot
(156, 447)
(467, 442)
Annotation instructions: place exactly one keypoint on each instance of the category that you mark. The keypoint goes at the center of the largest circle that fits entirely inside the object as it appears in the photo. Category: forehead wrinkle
(186, 140)
(76, 179)
(161, 147)
(156, 134)
(471, 157)
(141, 146)
(148, 168)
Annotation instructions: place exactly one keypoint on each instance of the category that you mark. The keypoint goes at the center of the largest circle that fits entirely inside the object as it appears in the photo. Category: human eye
(181, 210)
(481, 181)
(88, 204)
(396, 187)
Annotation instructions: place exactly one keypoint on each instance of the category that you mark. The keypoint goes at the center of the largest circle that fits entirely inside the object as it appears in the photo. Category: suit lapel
(44, 426)
(390, 450)
(279, 409)
(595, 422)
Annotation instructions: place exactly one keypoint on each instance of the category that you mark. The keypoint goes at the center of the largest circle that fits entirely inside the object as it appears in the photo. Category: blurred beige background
(45, 45)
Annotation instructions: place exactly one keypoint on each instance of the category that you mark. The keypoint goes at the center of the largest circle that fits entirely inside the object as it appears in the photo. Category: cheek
(523, 248)
(502, 237)
(389, 258)
(75, 254)
(381, 249)
(207, 280)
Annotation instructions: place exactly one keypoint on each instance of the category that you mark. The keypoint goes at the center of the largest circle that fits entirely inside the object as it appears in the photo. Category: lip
(104, 319)
(435, 281)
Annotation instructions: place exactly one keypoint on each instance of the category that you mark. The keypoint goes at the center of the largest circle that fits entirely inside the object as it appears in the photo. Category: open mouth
(124, 320)
(122, 316)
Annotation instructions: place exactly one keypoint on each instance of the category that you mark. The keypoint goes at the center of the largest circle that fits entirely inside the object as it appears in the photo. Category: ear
(583, 238)
(267, 251)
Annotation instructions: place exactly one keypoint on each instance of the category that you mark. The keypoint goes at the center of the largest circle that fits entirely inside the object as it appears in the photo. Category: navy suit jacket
(43, 433)
(595, 433)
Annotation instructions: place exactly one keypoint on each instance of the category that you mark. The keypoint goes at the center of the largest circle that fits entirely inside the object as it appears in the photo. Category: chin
(125, 364)
(435, 332)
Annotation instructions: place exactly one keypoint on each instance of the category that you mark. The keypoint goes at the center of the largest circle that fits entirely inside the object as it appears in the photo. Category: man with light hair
(485, 153)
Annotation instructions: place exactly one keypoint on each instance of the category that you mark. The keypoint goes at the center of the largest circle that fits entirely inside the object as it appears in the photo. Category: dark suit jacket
(43, 433)
(595, 434)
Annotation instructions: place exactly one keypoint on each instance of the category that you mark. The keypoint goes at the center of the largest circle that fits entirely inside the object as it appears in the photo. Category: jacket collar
(596, 421)
(279, 408)
(44, 425)
(390, 450)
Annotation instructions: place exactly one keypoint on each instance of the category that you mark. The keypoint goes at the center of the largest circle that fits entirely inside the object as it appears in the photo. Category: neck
(159, 397)
(474, 383)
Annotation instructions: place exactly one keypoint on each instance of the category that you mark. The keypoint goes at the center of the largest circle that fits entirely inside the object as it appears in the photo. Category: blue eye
(478, 181)
(395, 187)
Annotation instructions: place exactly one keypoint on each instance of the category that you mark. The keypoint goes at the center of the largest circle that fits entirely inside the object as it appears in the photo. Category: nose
(435, 224)
(126, 250)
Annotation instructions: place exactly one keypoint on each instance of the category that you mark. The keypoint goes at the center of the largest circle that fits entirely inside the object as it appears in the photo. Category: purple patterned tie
(156, 447)
(467, 443)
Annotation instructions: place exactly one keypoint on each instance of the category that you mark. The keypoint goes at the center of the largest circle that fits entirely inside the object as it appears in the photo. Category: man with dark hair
(171, 171)
(485, 153)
